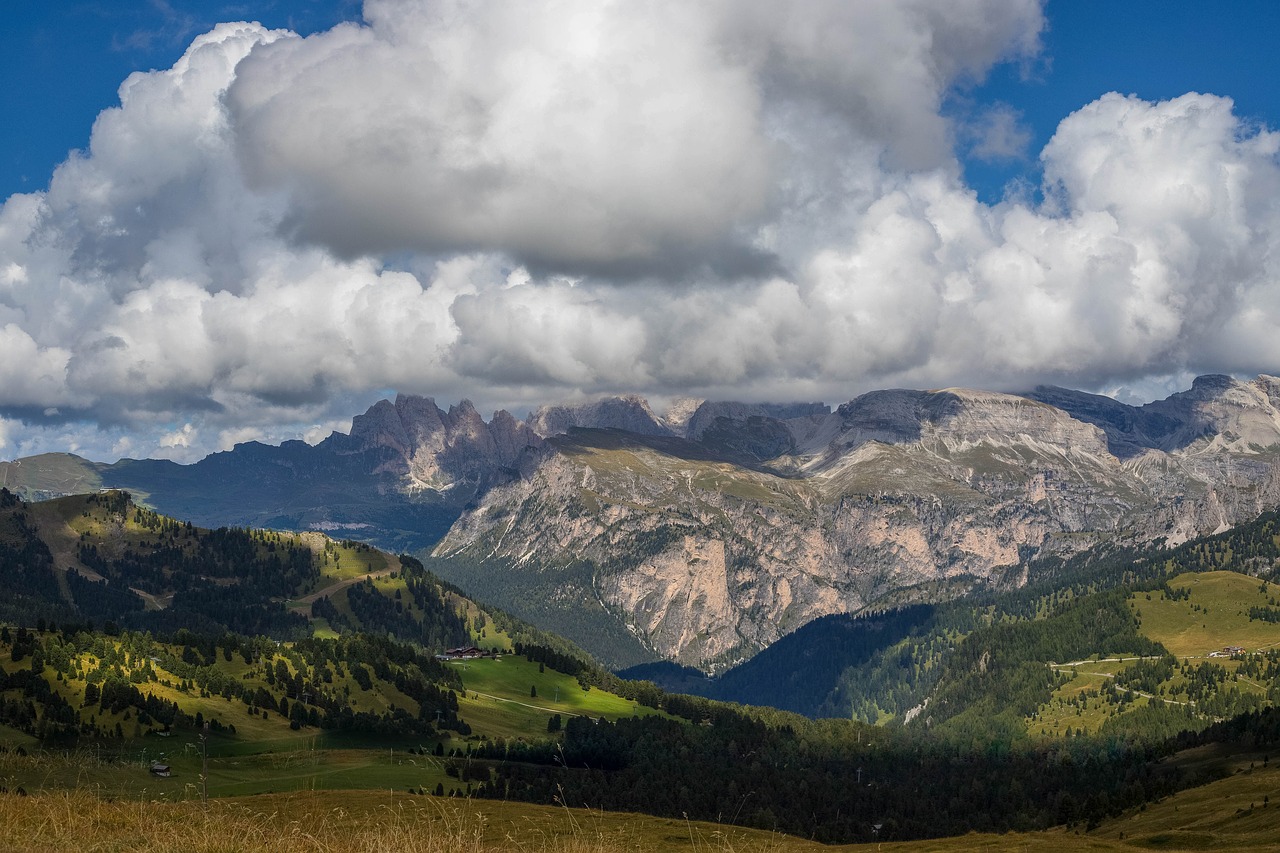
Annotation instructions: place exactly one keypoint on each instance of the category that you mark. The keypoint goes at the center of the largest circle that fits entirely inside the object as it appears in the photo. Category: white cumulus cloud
(519, 201)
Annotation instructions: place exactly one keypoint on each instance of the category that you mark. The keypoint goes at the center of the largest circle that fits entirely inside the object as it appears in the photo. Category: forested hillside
(829, 780)
(102, 558)
(1025, 709)
(882, 667)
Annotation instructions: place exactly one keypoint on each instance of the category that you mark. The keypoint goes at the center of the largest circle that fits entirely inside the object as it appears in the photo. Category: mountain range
(707, 532)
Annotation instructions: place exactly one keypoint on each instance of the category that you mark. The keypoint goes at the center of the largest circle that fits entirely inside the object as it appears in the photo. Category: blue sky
(63, 61)
(1156, 49)
(544, 200)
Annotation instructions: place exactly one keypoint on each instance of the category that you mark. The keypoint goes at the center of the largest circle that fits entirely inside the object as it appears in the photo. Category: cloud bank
(519, 202)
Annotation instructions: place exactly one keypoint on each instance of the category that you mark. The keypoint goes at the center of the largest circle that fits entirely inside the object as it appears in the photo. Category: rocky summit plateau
(705, 533)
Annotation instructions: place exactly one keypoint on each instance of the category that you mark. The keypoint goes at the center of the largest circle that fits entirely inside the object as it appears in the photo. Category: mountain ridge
(894, 491)
(707, 532)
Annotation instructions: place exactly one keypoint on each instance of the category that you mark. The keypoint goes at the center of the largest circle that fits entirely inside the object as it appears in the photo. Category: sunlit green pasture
(342, 561)
(261, 726)
(499, 700)
(1079, 704)
(1215, 615)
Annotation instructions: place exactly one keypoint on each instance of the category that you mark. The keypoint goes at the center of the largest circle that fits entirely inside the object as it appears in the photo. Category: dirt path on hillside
(1059, 667)
(303, 604)
(1103, 660)
(560, 711)
(156, 602)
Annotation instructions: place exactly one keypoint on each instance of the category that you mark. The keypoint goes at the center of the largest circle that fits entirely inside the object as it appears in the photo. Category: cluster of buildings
(465, 653)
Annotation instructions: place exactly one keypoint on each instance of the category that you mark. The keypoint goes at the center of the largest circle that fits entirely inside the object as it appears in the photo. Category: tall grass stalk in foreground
(79, 820)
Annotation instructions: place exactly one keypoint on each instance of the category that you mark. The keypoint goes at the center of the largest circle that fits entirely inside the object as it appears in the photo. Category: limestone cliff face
(709, 548)
(713, 529)
(437, 450)
(709, 415)
(701, 560)
(1222, 413)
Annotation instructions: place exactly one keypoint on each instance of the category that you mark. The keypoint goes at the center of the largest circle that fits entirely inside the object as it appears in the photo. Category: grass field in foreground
(379, 821)
(1240, 812)
(1203, 819)
(1235, 813)
(356, 821)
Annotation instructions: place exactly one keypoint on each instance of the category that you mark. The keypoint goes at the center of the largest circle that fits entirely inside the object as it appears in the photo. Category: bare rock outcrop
(630, 414)
(436, 449)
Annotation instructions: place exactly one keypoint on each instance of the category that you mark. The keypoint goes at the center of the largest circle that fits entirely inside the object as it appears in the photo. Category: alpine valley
(166, 686)
(705, 534)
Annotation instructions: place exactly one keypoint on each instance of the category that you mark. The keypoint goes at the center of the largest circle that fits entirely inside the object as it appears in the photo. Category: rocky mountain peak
(383, 425)
(422, 421)
(462, 423)
(1224, 412)
(436, 449)
(1212, 384)
(957, 418)
(679, 412)
(892, 416)
(511, 437)
(1269, 385)
(630, 413)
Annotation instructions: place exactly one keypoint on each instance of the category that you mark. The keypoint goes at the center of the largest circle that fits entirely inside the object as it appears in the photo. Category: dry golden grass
(362, 822)
(78, 821)
(1240, 812)
(1227, 815)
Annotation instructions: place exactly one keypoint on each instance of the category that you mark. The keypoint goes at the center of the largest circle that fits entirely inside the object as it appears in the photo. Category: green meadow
(1215, 614)
(509, 696)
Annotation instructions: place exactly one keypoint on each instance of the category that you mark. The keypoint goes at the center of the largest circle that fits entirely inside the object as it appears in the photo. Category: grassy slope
(1073, 705)
(1240, 812)
(265, 755)
(62, 522)
(49, 474)
(498, 700)
(66, 523)
(1214, 616)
